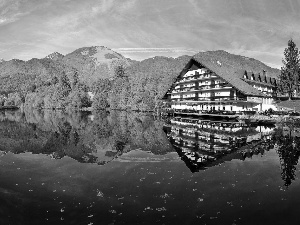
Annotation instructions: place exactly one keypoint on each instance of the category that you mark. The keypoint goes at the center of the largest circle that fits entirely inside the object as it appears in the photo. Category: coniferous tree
(289, 76)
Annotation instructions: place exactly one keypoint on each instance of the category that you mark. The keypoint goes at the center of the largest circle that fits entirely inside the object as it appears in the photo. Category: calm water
(121, 168)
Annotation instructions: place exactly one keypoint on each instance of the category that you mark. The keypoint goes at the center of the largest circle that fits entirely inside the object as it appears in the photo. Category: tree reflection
(287, 149)
(94, 138)
(103, 136)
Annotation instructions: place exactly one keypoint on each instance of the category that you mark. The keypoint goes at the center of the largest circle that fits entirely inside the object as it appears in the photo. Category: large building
(212, 84)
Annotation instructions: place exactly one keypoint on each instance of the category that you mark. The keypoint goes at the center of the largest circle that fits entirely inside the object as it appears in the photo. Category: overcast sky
(143, 28)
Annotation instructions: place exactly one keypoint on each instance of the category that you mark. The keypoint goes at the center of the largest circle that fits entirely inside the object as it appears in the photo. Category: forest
(66, 82)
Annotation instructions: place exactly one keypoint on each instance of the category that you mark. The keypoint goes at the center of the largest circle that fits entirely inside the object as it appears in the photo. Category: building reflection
(103, 137)
(205, 143)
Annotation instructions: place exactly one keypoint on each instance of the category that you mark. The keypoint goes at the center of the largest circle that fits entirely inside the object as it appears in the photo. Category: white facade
(202, 89)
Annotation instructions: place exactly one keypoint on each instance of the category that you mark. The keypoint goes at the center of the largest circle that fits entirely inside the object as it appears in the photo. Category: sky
(141, 29)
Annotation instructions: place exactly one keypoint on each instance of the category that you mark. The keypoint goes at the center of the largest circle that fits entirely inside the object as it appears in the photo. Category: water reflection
(103, 137)
(87, 138)
(287, 140)
(130, 188)
(205, 143)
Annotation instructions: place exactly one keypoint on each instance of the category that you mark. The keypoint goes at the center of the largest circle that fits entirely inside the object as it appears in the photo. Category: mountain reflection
(97, 138)
(103, 137)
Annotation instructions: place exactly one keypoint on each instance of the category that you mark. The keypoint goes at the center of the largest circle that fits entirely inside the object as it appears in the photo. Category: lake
(130, 168)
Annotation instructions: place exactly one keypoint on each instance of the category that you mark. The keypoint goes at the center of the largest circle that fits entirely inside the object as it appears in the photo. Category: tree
(74, 80)
(120, 71)
(100, 101)
(2, 100)
(289, 76)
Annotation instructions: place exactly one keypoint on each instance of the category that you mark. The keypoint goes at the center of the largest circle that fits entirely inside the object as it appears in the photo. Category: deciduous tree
(289, 77)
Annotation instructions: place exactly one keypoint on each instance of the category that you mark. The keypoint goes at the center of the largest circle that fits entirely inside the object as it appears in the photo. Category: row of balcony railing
(201, 87)
(215, 98)
(226, 112)
(197, 77)
(212, 111)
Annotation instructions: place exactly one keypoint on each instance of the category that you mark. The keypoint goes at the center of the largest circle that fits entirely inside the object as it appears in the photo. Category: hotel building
(208, 84)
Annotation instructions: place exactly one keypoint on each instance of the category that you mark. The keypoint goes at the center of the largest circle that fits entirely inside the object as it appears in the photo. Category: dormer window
(259, 78)
(245, 76)
(252, 77)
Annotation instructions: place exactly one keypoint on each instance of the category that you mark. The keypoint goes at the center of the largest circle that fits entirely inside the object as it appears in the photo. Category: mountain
(94, 63)
(132, 61)
(55, 56)
(58, 81)
(91, 64)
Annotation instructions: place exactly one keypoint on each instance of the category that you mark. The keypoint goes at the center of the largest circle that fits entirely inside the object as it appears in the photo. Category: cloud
(256, 28)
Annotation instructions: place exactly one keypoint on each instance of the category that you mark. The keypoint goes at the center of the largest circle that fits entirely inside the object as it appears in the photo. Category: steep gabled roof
(257, 82)
(257, 77)
(232, 68)
(263, 78)
(228, 73)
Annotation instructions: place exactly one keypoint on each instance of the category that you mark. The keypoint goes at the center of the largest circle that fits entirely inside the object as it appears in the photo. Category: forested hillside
(115, 82)
(58, 81)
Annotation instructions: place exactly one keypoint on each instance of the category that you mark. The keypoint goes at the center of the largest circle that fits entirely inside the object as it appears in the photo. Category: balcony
(185, 80)
(215, 98)
(192, 87)
(217, 112)
(221, 85)
(189, 98)
(187, 89)
(195, 77)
